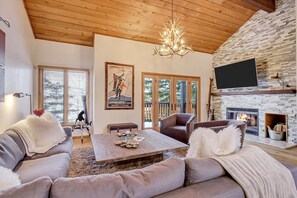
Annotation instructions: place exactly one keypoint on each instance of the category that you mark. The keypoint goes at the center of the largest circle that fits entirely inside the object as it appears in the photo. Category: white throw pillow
(204, 142)
(8, 179)
(46, 131)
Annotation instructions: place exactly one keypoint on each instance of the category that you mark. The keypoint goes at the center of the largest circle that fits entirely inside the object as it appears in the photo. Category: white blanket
(39, 134)
(259, 174)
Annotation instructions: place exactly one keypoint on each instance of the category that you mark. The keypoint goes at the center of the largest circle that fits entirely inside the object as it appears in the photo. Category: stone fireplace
(270, 38)
(249, 116)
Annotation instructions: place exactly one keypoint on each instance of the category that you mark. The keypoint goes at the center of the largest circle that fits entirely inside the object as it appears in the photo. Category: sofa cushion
(38, 188)
(155, 179)
(199, 170)
(221, 187)
(10, 151)
(96, 186)
(54, 166)
(64, 147)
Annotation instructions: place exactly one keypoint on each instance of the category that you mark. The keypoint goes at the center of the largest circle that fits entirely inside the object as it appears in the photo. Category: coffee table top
(154, 143)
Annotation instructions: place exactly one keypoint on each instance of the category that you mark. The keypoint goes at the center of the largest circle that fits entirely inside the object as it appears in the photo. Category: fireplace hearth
(249, 116)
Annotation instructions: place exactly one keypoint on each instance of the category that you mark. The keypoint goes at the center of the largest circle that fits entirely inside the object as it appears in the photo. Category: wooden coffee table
(150, 150)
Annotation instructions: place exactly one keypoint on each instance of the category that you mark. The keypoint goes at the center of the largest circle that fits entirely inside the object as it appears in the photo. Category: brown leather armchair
(178, 126)
(221, 124)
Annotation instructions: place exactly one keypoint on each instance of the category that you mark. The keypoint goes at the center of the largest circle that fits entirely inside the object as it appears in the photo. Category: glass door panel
(148, 102)
(180, 96)
(194, 101)
(194, 97)
(164, 99)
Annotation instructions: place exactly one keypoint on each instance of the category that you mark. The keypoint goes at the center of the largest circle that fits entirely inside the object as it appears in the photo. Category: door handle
(174, 107)
(171, 107)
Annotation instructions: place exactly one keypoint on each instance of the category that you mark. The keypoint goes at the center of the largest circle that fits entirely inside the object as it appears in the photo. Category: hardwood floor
(77, 143)
(285, 155)
(289, 155)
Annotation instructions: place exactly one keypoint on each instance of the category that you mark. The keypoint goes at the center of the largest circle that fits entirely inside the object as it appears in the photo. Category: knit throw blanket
(259, 174)
(39, 134)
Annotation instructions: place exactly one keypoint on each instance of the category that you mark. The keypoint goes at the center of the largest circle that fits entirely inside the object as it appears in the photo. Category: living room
(42, 36)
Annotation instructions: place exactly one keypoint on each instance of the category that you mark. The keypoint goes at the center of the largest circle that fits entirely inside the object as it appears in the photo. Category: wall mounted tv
(240, 74)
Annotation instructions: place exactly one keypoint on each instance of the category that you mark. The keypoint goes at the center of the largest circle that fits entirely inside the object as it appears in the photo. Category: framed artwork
(2, 65)
(119, 86)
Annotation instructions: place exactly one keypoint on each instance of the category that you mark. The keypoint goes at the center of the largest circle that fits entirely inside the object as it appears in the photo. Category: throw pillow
(204, 142)
(46, 131)
(8, 179)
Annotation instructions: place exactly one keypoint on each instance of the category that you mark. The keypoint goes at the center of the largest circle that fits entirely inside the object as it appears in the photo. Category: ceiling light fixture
(172, 40)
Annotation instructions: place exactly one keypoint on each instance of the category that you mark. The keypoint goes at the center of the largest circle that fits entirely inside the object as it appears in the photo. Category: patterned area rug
(83, 163)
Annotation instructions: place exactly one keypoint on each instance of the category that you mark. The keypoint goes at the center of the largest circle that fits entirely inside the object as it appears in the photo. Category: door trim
(173, 77)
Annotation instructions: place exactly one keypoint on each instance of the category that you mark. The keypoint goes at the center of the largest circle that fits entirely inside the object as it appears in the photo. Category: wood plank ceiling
(207, 23)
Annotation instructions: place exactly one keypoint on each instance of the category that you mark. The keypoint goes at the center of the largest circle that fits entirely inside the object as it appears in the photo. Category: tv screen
(241, 74)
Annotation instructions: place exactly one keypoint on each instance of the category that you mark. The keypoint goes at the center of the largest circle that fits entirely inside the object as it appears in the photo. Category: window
(61, 90)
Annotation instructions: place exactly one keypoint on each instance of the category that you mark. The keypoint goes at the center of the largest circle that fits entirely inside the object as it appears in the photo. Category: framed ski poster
(119, 86)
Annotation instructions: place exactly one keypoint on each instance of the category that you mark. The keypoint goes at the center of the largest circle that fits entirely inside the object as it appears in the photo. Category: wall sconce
(280, 80)
(21, 95)
(5, 22)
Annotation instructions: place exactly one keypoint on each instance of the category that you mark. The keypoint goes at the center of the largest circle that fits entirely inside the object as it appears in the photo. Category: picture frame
(119, 86)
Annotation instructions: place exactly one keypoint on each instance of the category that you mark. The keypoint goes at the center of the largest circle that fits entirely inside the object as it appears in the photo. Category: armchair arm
(209, 124)
(68, 131)
(168, 121)
(190, 124)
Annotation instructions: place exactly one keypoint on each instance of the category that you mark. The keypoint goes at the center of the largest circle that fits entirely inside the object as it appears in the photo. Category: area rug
(83, 163)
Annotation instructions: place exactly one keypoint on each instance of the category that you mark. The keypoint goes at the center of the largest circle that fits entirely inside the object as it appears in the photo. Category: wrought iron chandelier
(172, 40)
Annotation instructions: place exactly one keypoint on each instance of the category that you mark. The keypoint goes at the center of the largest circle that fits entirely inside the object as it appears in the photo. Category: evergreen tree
(53, 98)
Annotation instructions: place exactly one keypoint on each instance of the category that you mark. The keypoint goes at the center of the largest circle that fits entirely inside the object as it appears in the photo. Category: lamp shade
(19, 95)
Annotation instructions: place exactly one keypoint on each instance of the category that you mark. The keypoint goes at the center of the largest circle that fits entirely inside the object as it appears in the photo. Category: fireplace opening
(249, 116)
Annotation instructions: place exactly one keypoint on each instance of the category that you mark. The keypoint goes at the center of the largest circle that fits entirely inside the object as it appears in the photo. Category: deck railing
(164, 110)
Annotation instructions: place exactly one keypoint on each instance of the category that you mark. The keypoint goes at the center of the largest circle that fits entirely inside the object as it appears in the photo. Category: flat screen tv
(240, 74)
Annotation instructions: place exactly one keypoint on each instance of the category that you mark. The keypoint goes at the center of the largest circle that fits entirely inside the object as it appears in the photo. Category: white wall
(109, 49)
(51, 53)
(18, 62)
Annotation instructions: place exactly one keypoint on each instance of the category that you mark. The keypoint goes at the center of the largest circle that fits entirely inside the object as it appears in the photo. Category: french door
(167, 94)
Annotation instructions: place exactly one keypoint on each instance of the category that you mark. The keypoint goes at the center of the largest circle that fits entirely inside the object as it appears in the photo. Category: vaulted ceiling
(207, 23)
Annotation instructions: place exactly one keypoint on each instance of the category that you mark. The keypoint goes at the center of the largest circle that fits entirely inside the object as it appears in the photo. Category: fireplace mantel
(258, 92)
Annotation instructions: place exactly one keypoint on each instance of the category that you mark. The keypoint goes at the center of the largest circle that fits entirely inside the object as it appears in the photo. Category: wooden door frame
(173, 77)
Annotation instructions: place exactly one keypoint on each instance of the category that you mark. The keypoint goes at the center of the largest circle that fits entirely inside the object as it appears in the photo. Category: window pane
(77, 86)
(53, 93)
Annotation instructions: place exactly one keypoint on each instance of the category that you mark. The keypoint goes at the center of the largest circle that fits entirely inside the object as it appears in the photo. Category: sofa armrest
(167, 122)
(190, 124)
(68, 131)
